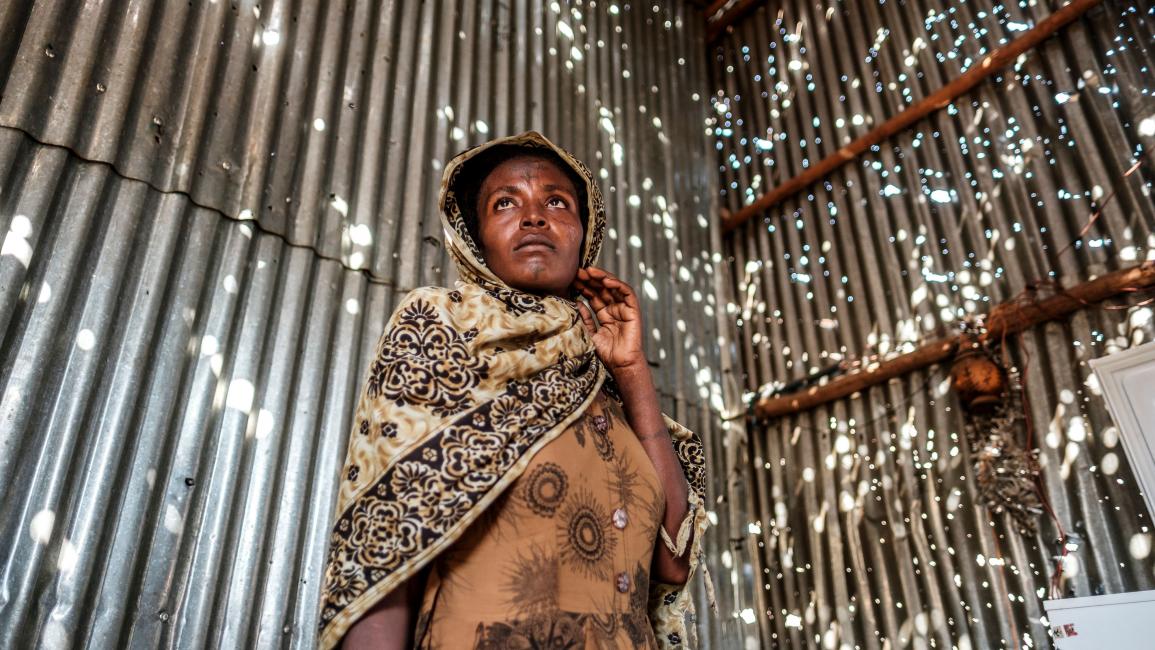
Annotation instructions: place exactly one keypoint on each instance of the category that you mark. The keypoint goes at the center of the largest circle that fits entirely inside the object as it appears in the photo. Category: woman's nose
(533, 219)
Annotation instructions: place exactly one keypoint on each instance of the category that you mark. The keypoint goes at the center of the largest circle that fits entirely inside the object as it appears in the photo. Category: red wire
(1107, 199)
(1057, 576)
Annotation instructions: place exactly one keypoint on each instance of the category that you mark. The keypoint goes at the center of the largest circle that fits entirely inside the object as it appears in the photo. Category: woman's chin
(540, 278)
(541, 286)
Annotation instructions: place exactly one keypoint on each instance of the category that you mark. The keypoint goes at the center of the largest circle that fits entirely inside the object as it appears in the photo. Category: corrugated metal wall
(208, 211)
(865, 526)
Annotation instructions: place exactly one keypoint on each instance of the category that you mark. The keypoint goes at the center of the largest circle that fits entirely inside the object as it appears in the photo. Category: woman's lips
(535, 242)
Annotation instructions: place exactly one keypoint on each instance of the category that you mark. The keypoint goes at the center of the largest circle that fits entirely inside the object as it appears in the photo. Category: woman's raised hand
(617, 329)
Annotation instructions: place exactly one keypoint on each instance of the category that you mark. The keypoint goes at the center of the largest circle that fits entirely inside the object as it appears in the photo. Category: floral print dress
(562, 560)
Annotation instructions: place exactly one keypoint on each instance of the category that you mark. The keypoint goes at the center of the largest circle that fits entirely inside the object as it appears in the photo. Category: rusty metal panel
(208, 211)
(865, 529)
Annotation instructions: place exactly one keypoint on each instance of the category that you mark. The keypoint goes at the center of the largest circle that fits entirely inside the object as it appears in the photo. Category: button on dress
(562, 559)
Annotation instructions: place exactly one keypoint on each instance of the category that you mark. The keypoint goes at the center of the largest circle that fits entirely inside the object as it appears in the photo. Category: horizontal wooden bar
(1006, 319)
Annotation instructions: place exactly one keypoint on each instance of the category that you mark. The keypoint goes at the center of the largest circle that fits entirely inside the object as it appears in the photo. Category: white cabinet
(1112, 622)
(1128, 382)
(1118, 621)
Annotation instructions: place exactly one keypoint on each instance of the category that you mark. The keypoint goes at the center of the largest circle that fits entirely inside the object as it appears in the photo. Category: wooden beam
(1006, 319)
(714, 7)
(985, 67)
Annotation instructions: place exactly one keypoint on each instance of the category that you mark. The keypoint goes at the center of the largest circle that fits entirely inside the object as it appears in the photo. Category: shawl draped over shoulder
(465, 386)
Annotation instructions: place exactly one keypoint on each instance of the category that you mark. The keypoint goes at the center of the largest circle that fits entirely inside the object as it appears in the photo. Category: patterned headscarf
(466, 385)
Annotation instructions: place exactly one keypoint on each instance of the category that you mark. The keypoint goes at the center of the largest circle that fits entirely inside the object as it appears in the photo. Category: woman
(510, 480)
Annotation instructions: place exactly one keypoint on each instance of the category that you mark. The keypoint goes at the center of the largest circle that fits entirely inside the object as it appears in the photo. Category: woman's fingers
(598, 299)
(587, 319)
(586, 289)
(608, 287)
(608, 296)
(602, 284)
(596, 293)
(622, 292)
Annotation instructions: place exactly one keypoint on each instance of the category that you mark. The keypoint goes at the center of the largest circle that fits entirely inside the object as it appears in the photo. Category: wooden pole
(1004, 320)
(715, 7)
(942, 97)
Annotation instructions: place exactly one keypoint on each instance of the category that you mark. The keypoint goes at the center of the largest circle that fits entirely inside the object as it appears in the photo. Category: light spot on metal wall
(240, 395)
(40, 528)
(173, 521)
(16, 240)
(85, 339)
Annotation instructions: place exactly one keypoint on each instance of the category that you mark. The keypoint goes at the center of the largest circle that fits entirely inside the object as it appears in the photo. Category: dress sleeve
(671, 605)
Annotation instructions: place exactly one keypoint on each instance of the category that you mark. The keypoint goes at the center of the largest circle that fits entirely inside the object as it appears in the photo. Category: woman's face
(530, 225)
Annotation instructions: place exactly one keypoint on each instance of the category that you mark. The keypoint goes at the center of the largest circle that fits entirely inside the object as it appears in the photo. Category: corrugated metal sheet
(186, 193)
(866, 528)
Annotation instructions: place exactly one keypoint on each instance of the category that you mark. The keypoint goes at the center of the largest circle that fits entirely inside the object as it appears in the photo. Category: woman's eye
(502, 202)
(557, 201)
